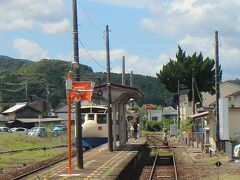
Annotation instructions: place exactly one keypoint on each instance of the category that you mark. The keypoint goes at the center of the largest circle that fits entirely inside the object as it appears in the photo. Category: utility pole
(131, 84)
(193, 89)
(123, 70)
(217, 88)
(178, 105)
(131, 78)
(109, 104)
(78, 138)
(26, 90)
(1, 92)
(47, 92)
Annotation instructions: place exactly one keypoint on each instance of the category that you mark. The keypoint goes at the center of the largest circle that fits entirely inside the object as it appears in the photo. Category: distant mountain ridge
(46, 79)
(8, 63)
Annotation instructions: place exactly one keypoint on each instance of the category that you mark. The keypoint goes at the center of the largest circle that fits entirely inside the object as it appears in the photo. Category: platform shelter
(121, 94)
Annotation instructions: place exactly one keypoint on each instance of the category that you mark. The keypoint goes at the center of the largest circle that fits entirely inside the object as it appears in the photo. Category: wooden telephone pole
(193, 91)
(217, 89)
(109, 104)
(78, 138)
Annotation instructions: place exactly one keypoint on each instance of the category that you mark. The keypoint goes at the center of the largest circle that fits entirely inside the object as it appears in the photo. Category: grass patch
(11, 141)
(145, 132)
(28, 157)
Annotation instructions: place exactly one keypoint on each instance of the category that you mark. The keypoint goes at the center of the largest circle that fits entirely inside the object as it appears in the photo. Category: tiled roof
(34, 120)
(15, 107)
(234, 94)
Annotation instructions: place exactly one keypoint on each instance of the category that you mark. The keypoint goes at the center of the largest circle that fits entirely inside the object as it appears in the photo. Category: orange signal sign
(81, 91)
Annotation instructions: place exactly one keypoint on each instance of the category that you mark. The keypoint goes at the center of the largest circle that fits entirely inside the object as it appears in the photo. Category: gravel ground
(193, 163)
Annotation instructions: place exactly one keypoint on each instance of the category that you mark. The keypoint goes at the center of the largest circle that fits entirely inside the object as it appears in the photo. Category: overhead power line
(89, 54)
(90, 19)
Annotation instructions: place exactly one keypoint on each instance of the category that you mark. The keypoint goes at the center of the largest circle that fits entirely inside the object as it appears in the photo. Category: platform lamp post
(68, 91)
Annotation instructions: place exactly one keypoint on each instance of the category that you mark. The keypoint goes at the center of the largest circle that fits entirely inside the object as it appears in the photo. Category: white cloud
(126, 3)
(15, 24)
(193, 22)
(26, 14)
(29, 50)
(139, 65)
(58, 27)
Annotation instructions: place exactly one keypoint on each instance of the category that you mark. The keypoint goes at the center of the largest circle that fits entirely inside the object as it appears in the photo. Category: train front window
(91, 117)
(83, 118)
(102, 119)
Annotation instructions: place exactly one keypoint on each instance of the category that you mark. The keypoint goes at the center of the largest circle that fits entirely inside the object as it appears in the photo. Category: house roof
(37, 98)
(234, 94)
(15, 108)
(237, 93)
(199, 115)
(34, 120)
(119, 93)
(64, 108)
(231, 81)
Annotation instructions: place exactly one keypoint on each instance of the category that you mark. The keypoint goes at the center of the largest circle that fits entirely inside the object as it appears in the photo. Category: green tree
(186, 67)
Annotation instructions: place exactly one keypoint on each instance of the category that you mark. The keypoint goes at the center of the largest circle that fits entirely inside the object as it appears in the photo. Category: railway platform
(99, 163)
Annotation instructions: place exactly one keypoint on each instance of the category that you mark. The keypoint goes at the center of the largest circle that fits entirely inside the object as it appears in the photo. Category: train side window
(102, 119)
(91, 117)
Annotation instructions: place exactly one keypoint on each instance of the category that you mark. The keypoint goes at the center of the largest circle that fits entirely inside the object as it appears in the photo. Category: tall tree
(186, 67)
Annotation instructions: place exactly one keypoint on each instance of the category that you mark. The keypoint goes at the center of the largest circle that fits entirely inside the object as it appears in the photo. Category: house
(3, 120)
(185, 107)
(62, 111)
(204, 120)
(29, 114)
(158, 115)
(20, 110)
(229, 113)
(39, 104)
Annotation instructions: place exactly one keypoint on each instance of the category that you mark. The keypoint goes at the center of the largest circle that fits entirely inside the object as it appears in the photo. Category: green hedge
(153, 126)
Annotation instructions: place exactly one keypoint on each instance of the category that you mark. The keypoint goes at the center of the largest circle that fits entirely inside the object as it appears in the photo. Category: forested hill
(19, 77)
(11, 64)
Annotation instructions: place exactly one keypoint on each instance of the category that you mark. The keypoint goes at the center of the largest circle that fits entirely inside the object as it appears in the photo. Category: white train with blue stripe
(94, 127)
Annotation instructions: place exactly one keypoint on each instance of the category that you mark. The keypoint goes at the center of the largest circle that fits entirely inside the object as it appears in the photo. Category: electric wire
(90, 55)
(96, 27)
(15, 90)
(13, 84)
(90, 18)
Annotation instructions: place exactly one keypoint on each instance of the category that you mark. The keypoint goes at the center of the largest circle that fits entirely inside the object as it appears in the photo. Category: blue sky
(147, 32)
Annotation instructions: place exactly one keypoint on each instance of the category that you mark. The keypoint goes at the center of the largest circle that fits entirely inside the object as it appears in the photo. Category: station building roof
(119, 93)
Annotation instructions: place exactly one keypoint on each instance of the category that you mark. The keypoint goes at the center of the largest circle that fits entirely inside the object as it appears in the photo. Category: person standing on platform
(135, 129)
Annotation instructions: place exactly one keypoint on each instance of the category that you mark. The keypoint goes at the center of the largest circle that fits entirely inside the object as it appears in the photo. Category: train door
(102, 124)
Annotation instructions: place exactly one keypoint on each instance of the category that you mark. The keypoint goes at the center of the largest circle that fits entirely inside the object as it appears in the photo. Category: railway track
(23, 173)
(163, 162)
(34, 149)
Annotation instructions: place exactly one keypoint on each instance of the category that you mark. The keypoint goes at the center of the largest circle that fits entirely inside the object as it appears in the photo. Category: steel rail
(174, 164)
(34, 149)
(173, 154)
(43, 167)
(155, 160)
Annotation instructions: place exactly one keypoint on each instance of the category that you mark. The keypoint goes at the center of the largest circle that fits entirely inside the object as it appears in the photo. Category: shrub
(153, 126)
(167, 123)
